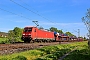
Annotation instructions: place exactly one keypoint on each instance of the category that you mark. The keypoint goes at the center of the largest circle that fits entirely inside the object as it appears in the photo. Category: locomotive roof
(30, 27)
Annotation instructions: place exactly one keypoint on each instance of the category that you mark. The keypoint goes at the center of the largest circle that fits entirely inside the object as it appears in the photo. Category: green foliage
(60, 31)
(36, 53)
(3, 59)
(49, 50)
(82, 53)
(11, 35)
(69, 33)
(54, 55)
(53, 29)
(43, 58)
(19, 58)
(15, 34)
(4, 40)
(85, 39)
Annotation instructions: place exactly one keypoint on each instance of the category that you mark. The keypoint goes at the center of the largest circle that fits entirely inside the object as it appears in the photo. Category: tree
(15, 34)
(18, 33)
(60, 31)
(56, 30)
(53, 29)
(11, 36)
(84, 37)
(86, 21)
(69, 34)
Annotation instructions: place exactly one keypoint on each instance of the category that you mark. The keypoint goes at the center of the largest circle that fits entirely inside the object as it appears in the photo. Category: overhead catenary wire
(31, 11)
(32, 8)
(14, 13)
(10, 11)
(28, 5)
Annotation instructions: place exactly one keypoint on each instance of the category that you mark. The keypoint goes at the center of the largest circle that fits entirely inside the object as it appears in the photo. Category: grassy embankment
(82, 53)
(7, 41)
(3, 40)
(51, 52)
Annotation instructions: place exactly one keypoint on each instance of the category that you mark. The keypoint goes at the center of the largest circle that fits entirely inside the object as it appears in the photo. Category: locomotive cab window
(27, 29)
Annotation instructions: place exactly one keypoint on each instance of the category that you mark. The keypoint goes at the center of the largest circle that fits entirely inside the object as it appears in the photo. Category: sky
(64, 15)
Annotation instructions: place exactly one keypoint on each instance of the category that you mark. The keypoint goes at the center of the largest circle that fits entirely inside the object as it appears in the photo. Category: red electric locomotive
(35, 34)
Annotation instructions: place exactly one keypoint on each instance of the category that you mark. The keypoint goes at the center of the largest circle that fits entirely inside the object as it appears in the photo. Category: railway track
(19, 47)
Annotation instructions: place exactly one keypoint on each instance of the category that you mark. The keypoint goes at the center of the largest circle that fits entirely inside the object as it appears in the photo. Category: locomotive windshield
(27, 29)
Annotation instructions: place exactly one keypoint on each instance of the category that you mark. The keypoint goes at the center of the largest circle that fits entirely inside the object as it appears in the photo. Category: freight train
(38, 35)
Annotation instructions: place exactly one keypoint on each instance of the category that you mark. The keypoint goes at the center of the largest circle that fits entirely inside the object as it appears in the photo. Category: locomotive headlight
(23, 34)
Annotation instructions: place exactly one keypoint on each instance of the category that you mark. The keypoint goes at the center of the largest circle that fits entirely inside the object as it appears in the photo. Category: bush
(19, 58)
(3, 59)
(2, 42)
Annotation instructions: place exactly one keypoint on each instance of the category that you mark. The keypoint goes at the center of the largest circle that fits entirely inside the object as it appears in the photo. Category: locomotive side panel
(34, 33)
(45, 34)
(42, 35)
(50, 35)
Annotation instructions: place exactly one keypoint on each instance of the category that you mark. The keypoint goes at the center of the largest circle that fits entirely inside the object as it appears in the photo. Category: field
(81, 52)
(3, 40)
(7, 41)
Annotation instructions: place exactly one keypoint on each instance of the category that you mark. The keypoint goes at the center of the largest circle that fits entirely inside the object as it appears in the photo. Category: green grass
(48, 52)
(82, 53)
(7, 41)
(3, 40)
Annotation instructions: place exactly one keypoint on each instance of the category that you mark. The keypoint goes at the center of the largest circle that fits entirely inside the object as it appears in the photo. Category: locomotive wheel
(28, 41)
(25, 41)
